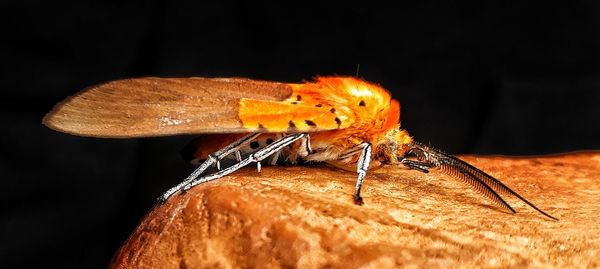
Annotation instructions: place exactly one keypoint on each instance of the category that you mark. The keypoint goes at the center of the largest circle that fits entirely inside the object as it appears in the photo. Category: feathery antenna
(488, 186)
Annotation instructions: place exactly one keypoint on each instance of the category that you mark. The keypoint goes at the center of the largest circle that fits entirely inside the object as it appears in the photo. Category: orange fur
(339, 113)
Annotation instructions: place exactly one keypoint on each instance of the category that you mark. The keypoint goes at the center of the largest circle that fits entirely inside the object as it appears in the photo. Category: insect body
(343, 121)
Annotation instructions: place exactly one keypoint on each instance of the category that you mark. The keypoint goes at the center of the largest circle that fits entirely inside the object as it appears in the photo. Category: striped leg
(212, 159)
(256, 157)
(362, 165)
(361, 168)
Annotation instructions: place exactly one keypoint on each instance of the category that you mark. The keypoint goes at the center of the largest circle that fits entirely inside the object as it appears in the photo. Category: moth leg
(306, 144)
(416, 165)
(362, 166)
(351, 152)
(275, 158)
(211, 160)
(254, 157)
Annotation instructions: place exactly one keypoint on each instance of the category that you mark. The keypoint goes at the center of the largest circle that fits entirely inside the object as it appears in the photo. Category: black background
(491, 78)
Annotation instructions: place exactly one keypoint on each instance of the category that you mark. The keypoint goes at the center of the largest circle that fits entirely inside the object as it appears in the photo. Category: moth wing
(146, 107)
(152, 106)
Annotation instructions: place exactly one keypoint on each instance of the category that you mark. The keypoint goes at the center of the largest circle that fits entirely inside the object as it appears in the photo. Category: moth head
(392, 145)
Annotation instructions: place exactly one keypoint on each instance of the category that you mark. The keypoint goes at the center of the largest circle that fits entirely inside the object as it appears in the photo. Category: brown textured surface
(304, 217)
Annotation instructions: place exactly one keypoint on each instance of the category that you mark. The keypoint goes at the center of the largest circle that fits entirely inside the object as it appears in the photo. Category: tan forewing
(151, 106)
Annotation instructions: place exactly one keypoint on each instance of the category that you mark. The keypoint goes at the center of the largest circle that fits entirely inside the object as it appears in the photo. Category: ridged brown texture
(160, 106)
(304, 217)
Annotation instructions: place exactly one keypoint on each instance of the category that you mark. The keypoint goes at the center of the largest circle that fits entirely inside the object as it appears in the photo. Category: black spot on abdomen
(254, 145)
(362, 103)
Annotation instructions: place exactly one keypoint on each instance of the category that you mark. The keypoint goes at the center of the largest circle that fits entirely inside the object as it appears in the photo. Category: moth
(342, 121)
